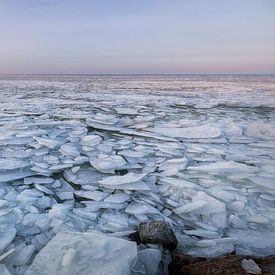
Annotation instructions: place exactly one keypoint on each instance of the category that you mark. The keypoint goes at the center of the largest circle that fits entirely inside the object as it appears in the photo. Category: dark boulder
(157, 232)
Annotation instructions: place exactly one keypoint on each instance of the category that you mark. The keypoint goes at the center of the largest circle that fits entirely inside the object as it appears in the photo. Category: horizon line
(91, 74)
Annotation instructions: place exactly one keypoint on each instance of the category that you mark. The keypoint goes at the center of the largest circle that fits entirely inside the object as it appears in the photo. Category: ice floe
(92, 253)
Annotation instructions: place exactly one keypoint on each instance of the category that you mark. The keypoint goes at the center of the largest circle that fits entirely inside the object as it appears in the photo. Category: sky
(137, 36)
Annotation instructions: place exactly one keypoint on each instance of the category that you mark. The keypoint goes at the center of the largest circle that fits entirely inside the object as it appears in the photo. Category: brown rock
(157, 232)
(226, 265)
(180, 260)
(230, 265)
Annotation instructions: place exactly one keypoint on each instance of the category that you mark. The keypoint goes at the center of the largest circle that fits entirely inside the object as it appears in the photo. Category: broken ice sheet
(173, 166)
(50, 143)
(189, 207)
(12, 163)
(120, 253)
(92, 195)
(126, 111)
(222, 167)
(107, 164)
(90, 140)
(206, 164)
(204, 131)
(119, 180)
(117, 198)
(6, 237)
(84, 176)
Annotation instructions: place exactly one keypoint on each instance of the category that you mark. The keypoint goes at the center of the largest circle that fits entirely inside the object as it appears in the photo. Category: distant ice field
(80, 152)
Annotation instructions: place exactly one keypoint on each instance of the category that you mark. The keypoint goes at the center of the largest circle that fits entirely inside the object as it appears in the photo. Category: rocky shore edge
(182, 264)
(150, 249)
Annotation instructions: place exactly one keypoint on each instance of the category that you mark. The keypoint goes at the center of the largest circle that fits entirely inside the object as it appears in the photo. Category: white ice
(197, 152)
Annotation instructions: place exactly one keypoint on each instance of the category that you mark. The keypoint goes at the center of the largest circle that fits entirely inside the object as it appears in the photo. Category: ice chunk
(22, 255)
(213, 211)
(15, 175)
(206, 243)
(203, 233)
(119, 180)
(189, 207)
(51, 159)
(213, 205)
(50, 143)
(92, 195)
(75, 169)
(264, 182)
(140, 209)
(236, 206)
(204, 131)
(107, 164)
(95, 253)
(90, 140)
(258, 219)
(151, 258)
(94, 206)
(237, 222)
(131, 154)
(117, 198)
(222, 167)
(3, 203)
(60, 166)
(12, 163)
(65, 191)
(250, 266)
(84, 176)
(82, 212)
(139, 185)
(218, 193)
(7, 234)
(106, 118)
(110, 221)
(211, 251)
(6, 254)
(4, 270)
(106, 148)
(69, 150)
(126, 111)
(16, 141)
(179, 183)
(260, 130)
(43, 189)
(173, 166)
(255, 242)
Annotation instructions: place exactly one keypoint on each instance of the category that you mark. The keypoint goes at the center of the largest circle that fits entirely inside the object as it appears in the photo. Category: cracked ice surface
(84, 153)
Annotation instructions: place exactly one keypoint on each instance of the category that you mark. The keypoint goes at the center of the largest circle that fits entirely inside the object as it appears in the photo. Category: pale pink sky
(139, 36)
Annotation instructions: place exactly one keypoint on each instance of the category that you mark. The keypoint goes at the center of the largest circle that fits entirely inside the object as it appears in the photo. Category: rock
(231, 264)
(70, 253)
(250, 266)
(223, 265)
(158, 232)
(180, 260)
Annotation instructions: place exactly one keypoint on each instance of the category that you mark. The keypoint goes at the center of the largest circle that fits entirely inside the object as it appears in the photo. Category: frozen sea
(82, 153)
